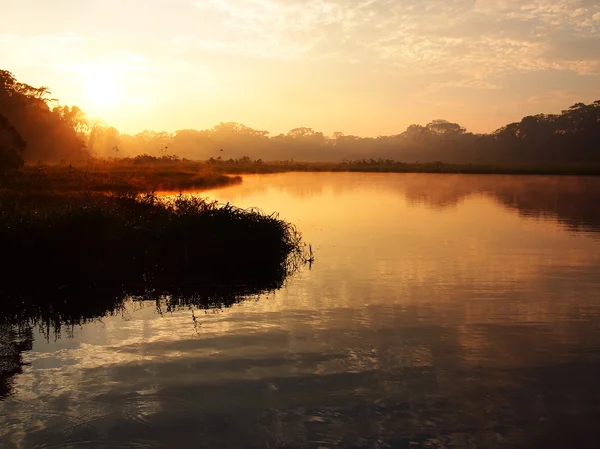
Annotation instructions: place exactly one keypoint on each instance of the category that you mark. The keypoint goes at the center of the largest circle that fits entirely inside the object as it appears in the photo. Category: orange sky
(365, 67)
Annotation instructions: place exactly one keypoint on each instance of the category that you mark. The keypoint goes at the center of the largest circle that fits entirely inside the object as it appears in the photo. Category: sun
(102, 86)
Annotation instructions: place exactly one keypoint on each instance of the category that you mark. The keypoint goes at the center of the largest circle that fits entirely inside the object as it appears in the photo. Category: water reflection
(421, 325)
(569, 199)
(405, 382)
(61, 314)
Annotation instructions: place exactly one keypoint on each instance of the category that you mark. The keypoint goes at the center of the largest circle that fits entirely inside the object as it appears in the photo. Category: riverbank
(146, 174)
(114, 176)
(245, 166)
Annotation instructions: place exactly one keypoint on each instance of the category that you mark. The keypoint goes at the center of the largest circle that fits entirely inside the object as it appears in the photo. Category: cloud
(367, 50)
(275, 28)
(551, 97)
(42, 50)
(479, 39)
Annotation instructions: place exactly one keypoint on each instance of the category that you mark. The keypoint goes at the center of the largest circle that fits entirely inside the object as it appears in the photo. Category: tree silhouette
(50, 135)
(569, 138)
(11, 146)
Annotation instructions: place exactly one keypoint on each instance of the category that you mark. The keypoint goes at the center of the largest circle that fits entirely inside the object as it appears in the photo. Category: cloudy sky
(365, 67)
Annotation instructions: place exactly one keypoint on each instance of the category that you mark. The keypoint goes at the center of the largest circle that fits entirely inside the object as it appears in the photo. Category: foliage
(569, 138)
(68, 258)
(11, 146)
(49, 135)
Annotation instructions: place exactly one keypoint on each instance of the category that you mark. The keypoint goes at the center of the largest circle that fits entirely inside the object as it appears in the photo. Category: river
(442, 311)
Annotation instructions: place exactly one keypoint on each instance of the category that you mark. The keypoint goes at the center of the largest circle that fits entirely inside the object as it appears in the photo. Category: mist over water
(442, 311)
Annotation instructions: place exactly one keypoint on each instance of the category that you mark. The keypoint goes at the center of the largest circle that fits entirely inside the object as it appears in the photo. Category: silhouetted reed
(69, 259)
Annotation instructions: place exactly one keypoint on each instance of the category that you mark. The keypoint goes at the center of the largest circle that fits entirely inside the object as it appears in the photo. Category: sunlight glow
(276, 65)
(103, 86)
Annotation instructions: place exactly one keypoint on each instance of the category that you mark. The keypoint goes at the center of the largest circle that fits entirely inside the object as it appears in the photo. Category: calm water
(442, 311)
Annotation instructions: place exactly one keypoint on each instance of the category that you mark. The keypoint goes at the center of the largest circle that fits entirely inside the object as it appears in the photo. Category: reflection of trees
(61, 313)
(53, 308)
(569, 199)
(75, 306)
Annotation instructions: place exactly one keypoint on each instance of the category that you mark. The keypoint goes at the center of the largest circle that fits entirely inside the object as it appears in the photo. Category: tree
(49, 137)
(237, 129)
(305, 133)
(74, 118)
(581, 118)
(445, 128)
(102, 140)
(11, 146)
(416, 131)
(14, 94)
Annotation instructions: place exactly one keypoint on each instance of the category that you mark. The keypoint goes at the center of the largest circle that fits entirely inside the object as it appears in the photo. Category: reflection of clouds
(404, 369)
(442, 324)
(401, 251)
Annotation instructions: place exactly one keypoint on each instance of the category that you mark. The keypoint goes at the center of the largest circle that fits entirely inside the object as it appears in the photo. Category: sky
(362, 67)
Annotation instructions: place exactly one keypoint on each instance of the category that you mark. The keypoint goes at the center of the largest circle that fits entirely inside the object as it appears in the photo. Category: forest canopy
(569, 138)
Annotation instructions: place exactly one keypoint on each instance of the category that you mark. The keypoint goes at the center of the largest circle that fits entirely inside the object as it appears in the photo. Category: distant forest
(34, 128)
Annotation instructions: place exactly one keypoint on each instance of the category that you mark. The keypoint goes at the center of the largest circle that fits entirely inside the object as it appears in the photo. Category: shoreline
(123, 176)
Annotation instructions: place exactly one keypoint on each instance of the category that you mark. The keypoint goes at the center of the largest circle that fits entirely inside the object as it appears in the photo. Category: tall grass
(67, 258)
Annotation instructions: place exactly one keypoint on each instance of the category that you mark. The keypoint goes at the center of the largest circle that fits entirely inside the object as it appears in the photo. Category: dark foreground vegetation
(66, 259)
(73, 257)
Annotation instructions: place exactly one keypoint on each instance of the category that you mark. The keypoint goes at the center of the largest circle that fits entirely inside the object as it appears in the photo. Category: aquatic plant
(68, 258)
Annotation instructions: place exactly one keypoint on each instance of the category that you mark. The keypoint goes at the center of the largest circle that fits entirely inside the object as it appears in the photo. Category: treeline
(29, 127)
(569, 138)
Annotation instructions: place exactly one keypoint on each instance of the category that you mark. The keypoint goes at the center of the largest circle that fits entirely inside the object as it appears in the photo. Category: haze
(361, 67)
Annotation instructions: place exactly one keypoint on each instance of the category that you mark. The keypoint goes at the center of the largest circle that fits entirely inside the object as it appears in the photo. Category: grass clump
(72, 257)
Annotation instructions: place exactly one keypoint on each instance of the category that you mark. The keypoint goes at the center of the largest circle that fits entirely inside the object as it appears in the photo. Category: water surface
(444, 311)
